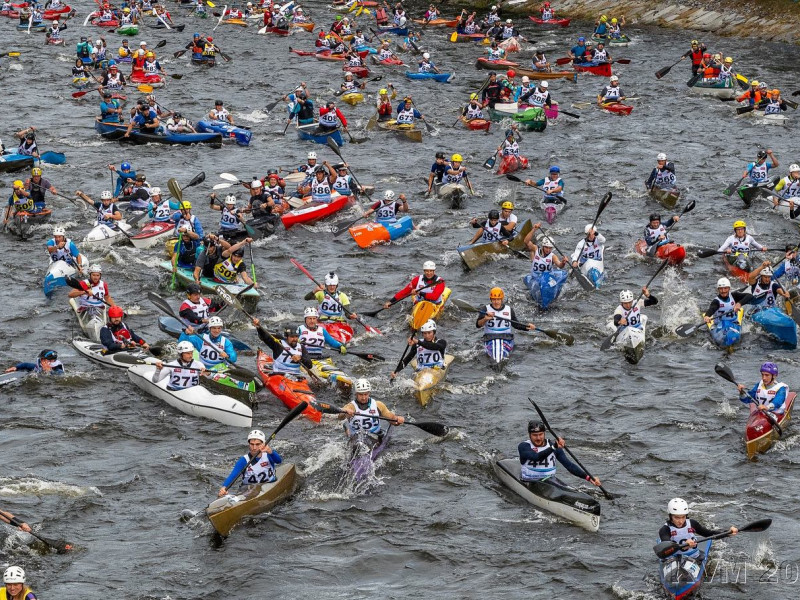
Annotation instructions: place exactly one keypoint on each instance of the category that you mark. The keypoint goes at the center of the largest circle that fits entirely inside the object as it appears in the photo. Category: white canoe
(91, 321)
(594, 270)
(152, 233)
(103, 235)
(122, 359)
(196, 401)
(57, 271)
(773, 119)
(509, 108)
(726, 90)
(631, 340)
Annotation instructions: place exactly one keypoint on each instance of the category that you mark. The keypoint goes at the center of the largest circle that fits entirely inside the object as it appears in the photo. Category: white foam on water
(30, 486)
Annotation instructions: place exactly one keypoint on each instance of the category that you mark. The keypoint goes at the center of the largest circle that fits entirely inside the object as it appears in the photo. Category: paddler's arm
(9, 518)
(237, 470)
(712, 308)
(665, 533)
(477, 236)
(571, 466)
(438, 345)
(271, 342)
(517, 325)
(385, 412)
(741, 299)
(107, 340)
(333, 342)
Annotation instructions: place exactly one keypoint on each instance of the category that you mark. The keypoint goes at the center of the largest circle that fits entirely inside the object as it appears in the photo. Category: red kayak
(329, 56)
(603, 69)
(113, 23)
(289, 390)
(556, 22)
(357, 71)
(277, 31)
(512, 163)
(389, 61)
(326, 53)
(311, 212)
(48, 15)
(479, 125)
(760, 434)
(494, 65)
(338, 330)
(675, 253)
(153, 79)
(617, 108)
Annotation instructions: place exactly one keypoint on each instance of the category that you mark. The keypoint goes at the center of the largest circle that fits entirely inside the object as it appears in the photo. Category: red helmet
(209, 39)
(707, 55)
(115, 311)
(511, 73)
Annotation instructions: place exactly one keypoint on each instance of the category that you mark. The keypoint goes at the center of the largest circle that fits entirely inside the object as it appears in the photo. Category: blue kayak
(116, 132)
(174, 327)
(682, 576)
(229, 132)
(726, 332)
(498, 350)
(308, 133)
(15, 162)
(201, 59)
(57, 272)
(440, 77)
(369, 49)
(394, 30)
(776, 323)
(545, 287)
(39, 27)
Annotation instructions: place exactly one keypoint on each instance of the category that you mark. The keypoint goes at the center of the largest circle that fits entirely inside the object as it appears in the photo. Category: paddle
(335, 147)
(606, 493)
(348, 225)
(251, 231)
(428, 126)
(694, 79)
(603, 203)
(511, 177)
(374, 313)
(688, 329)
(551, 333)
(707, 252)
(489, 164)
(725, 372)
(609, 341)
(177, 191)
(661, 72)
(651, 251)
(666, 549)
(582, 279)
(60, 545)
(437, 429)
(733, 187)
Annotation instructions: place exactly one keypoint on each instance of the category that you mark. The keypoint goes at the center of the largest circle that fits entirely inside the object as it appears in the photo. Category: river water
(125, 477)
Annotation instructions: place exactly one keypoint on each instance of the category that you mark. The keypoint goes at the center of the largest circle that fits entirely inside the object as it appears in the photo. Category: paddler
(727, 303)
(53, 33)
(774, 103)
(287, 353)
(538, 456)
(508, 31)
(552, 184)
(37, 186)
(499, 320)
(752, 96)
(491, 93)
(187, 224)
(456, 172)
(696, 53)
(740, 242)
(108, 212)
(47, 362)
(110, 109)
(411, 41)
(255, 467)
(428, 286)
(15, 588)
(314, 337)
(610, 93)
(628, 315)
(494, 52)
(232, 267)
(431, 14)
(655, 232)
(546, 12)
(407, 113)
(788, 189)
(578, 52)
(384, 103)
(220, 113)
(27, 142)
(509, 146)
(589, 248)
(60, 247)
(538, 96)
(94, 292)
(113, 80)
(543, 258)
(473, 110)
(726, 70)
(183, 372)
(507, 217)
(152, 66)
(208, 255)
(183, 255)
(662, 176)
(145, 119)
(385, 51)
(429, 350)
(438, 169)
(350, 84)
(116, 335)
(19, 201)
(523, 88)
(7, 517)
(362, 413)
(601, 26)
(681, 530)
(212, 347)
(332, 303)
(387, 208)
(599, 54)
(353, 59)
(330, 119)
(769, 394)
(491, 230)
(615, 30)
(84, 50)
(765, 287)
(195, 309)
(345, 184)
(124, 51)
(426, 65)
(321, 187)
(493, 16)
(231, 219)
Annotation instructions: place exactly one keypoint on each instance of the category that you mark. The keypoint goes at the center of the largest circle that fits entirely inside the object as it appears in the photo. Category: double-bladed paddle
(551, 333)
(733, 187)
(60, 545)
(177, 191)
(437, 429)
(374, 313)
(725, 372)
(75, 284)
(582, 279)
(666, 549)
(651, 251)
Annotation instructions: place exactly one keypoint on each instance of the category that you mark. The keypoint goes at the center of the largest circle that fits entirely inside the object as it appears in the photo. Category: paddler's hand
(189, 330)
(343, 349)
(222, 491)
(504, 243)
(387, 305)
(691, 543)
(707, 319)
(224, 354)
(399, 420)
(12, 369)
(737, 307)
(530, 327)
(145, 345)
(623, 321)
(348, 410)
(412, 341)
(159, 365)
(763, 407)
(297, 358)
(764, 249)
(733, 530)
(595, 481)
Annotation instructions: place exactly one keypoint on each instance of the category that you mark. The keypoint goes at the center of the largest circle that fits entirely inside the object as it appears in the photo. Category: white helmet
(256, 183)
(215, 322)
(589, 228)
(426, 55)
(331, 279)
(678, 506)
(429, 325)
(156, 191)
(626, 296)
(494, 8)
(55, 22)
(310, 311)
(59, 231)
(363, 386)
(794, 167)
(14, 575)
(546, 242)
(185, 347)
(526, 79)
(429, 265)
(230, 199)
(299, 10)
(106, 195)
(723, 282)
(544, 85)
(388, 195)
(766, 272)
(312, 155)
(95, 269)
(614, 78)
(509, 21)
(257, 434)
(661, 156)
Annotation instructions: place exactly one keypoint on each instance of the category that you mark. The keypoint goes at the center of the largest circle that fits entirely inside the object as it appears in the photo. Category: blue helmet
(126, 166)
(197, 35)
(581, 39)
(555, 169)
(509, 132)
(112, 62)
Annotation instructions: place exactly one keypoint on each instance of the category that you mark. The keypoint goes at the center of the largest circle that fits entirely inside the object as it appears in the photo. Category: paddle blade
(368, 356)
(454, 37)
(53, 158)
(666, 549)
(229, 177)
(603, 203)
(464, 305)
(437, 429)
(563, 61)
(687, 329)
(609, 341)
(144, 88)
(326, 408)
(371, 313)
(334, 146)
(80, 94)
(564, 338)
(693, 80)
(222, 186)
(162, 304)
(661, 72)
(288, 418)
(689, 207)
(706, 252)
(73, 282)
(725, 372)
(175, 189)
(60, 545)
(514, 178)
(489, 164)
(757, 526)
(423, 311)
(623, 61)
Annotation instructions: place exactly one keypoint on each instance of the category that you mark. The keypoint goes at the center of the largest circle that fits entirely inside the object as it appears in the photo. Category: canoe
(23, 222)
(550, 495)
(289, 390)
(36, 27)
(621, 41)
(51, 14)
(154, 80)
(545, 287)
(114, 132)
(454, 193)
(91, 321)
(55, 277)
(103, 235)
(352, 98)
(726, 332)
(128, 30)
(618, 108)
(595, 271)
(511, 163)
(772, 119)
(152, 233)
(372, 234)
(196, 401)
(440, 77)
(329, 55)
(551, 22)
(389, 62)
(200, 59)
(718, 89)
(777, 324)
(123, 359)
(15, 162)
(498, 350)
(229, 132)
(311, 212)
(474, 255)
(356, 71)
(437, 308)
(304, 26)
(226, 512)
(338, 330)
(173, 327)
(426, 380)
(595, 68)
(631, 341)
(675, 253)
(540, 75)
(739, 265)
(478, 124)
(109, 23)
(309, 134)
(437, 22)
(276, 30)
(681, 577)
(531, 119)
(495, 65)
(750, 192)
(667, 197)
(185, 277)
(410, 132)
(759, 435)
(364, 450)
(393, 29)
(240, 22)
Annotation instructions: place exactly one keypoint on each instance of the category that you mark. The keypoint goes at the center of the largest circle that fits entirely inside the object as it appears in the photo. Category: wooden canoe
(546, 74)
(759, 435)
(476, 254)
(426, 380)
(666, 197)
(410, 132)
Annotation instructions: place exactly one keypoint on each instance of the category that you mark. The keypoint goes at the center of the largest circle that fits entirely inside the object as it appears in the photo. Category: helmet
(210, 39)
(215, 322)
(457, 158)
(14, 575)
(589, 43)
(36, 171)
(238, 252)
(106, 195)
(440, 155)
(614, 21)
(257, 434)
(626, 296)
(614, 78)
(95, 269)
(59, 231)
(678, 506)
(230, 199)
(112, 64)
(473, 96)
(494, 8)
(544, 84)
(661, 156)
(546, 242)
(509, 21)
(197, 35)
(496, 293)
(126, 10)
(429, 265)
(384, 92)
(589, 228)
(494, 214)
(767, 272)
(156, 191)
(363, 386)
(55, 22)
(331, 279)
(150, 55)
(186, 205)
(126, 166)
(655, 217)
(507, 204)
(18, 184)
(192, 288)
(509, 132)
(761, 154)
(348, 75)
(48, 355)
(185, 346)
(255, 184)
(526, 79)
(115, 311)
(388, 195)
(511, 73)
(603, 19)
(776, 92)
(310, 311)
(536, 427)
(707, 55)
(728, 60)
(429, 325)
(581, 39)
(770, 367)
(723, 282)
(312, 156)
(762, 85)
(555, 169)
(426, 55)
(737, 224)
(794, 167)
(754, 83)
(290, 332)
(695, 43)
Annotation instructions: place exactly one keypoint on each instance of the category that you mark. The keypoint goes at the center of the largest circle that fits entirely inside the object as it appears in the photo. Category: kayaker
(332, 302)
(411, 41)
(212, 347)
(220, 113)
(195, 309)
(438, 169)
(509, 146)
(538, 96)
(788, 189)
(523, 88)
(629, 315)
(494, 52)
(493, 16)
(726, 70)
(110, 109)
(108, 212)
(456, 172)
(740, 242)
(508, 31)
(600, 54)
(540, 62)
(766, 288)
(345, 184)
(311, 165)
(431, 14)
(287, 353)
(94, 292)
(727, 303)
(321, 189)
(538, 456)
(350, 84)
(53, 33)
(183, 372)
(507, 217)
(384, 103)
(601, 26)
(152, 66)
(385, 51)
(589, 248)
(552, 184)
(751, 96)
(775, 104)
(113, 79)
(491, 93)
(37, 186)
(330, 119)
(84, 50)
(232, 267)
(769, 394)
(210, 253)
(314, 337)
(790, 266)
(124, 51)
(7, 517)
(125, 176)
(429, 351)
(230, 220)
(362, 412)
(662, 176)
(145, 119)
(15, 588)
(47, 362)
(19, 200)
(683, 531)
(407, 113)
(696, 53)
(610, 93)
(116, 335)
(426, 65)
(80, 74)
(578, 52)
(546, 13)
(491, 231)
(255, 467)
(386, 209)
(60, 247)
(140, 195)
(187, 224)
(428, 286)
(498, 319)
(655, 232)
(615, 30)
(183, 255)
(543, 258)
(27, 142)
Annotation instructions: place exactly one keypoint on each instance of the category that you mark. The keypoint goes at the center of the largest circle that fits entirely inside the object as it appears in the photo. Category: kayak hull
(680, 577)
(116, 132)
(57, 272)
(726, 333)
(91, 321)
(372, 234)
(617, 108)
(550, 22)
(311, 212)
(152, 234)
(409, 132)
(426, 380)
(777, 324)
(595, 271)
(674, 253)
(439, 77)
(229, 132)
(759, 434)
(309, 133)
(601, 69)
(249, 299)
(544, 288)
(667, 197)
(289, 390)
(511, 164)
(122, 360)
(499, 351)
(474, 255)
(716, 89)
(173, 327)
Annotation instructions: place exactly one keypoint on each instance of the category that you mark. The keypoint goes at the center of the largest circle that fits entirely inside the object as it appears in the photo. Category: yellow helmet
(186, 205)
(36, 171)
(456, 158)
(149, 55)
(603, 19)
(728, 59)
(383, 92)
(126, 10)
(507, 204)
(18, 184)
(754, 83)
(738, 224)
(614, 21)
(496, 293)
(473, 96)
(695, 43)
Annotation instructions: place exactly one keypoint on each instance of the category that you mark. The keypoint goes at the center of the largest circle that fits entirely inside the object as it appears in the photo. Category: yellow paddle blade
(742, 78)
(366, 11)
(422, 311)
(354, 7)
(211, 4)
(144, 88)
(454, 36)
(14, 54)
(789, 307)
(486, 41)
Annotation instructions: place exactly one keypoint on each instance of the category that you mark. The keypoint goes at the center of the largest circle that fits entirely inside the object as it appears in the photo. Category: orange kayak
(675, 253)
(290, 391)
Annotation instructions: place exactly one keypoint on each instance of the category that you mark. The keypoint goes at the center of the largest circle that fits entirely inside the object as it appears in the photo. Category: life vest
(542, 469)
(651, 235)
(321, 190)
(491, 233)
(541, 263)
(766, 395)
(331, 307)
(386, 212)
(227, 270)
(681, 535)
(229, 220)
(200, 309)
(313, 340)
(500, 324)
(664, 178)
(262, 471)
(366, 419)
(427, 358)
(22, 203)
(725, 310)
(284, 362)
(182, 376)
(209, 353)
(764, 294)
(120, 333)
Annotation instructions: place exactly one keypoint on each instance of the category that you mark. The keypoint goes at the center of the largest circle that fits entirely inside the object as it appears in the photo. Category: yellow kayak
(425, 310)
(325, 369)
(426, 380)
(353, 98)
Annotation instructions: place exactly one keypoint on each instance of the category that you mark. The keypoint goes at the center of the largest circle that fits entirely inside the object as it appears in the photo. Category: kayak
(22, 222)
(116, 132)
(498, 350)
(769, 119)
(128, 30)
(539, 75)
(328, 55)
(511, 163)
(618, 108)
(200, 59)
(667, 197)
(276, 30)
(393, 29)
(311, 212)
(240, 135)
(357, 71)
(777, 324)
(478, 124)
(310, 133)
(352, 98)
(15, 162)
(230, 381)
(550, 494)
(103, 235)
(364, 450)
(288, 389)
(109, 23)
(241, 22)
(437, 308)
(123, 359)
(325, 370)
(174, 328)
(595, 271)
(185, 277)
(427, 379)
(545, 287)
(51, 14)
(338, 330)
(381, 232)
(621, 41)
(410, 131)
(759, 434)
(226, 512)
(196, 401)
(467, 37)
(726, 332)
(719, 89)
(494, 65)
(389, 62)
(675, 253)
(91, 321)
(440, 77)
(57, 271)
(532, 119)
(454, 192)
(304, 26)
(37, 27)
(551, 22)
(631, 340)
(750, 192)
(154, 80)
(595, 68)
(6, 378)
(474, 255)
(682, 577)
(437, 22)
(152, 233)
(739, 265)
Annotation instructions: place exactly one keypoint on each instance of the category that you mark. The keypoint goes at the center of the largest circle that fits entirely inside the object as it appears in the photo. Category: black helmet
(272, 172)
(494, 214)
(655, 217)
(440, 155)
(290, 332)
(192, 288)
(238, 252)
(536, 427)
(762, 154)
(217, 102)
(48, 355)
